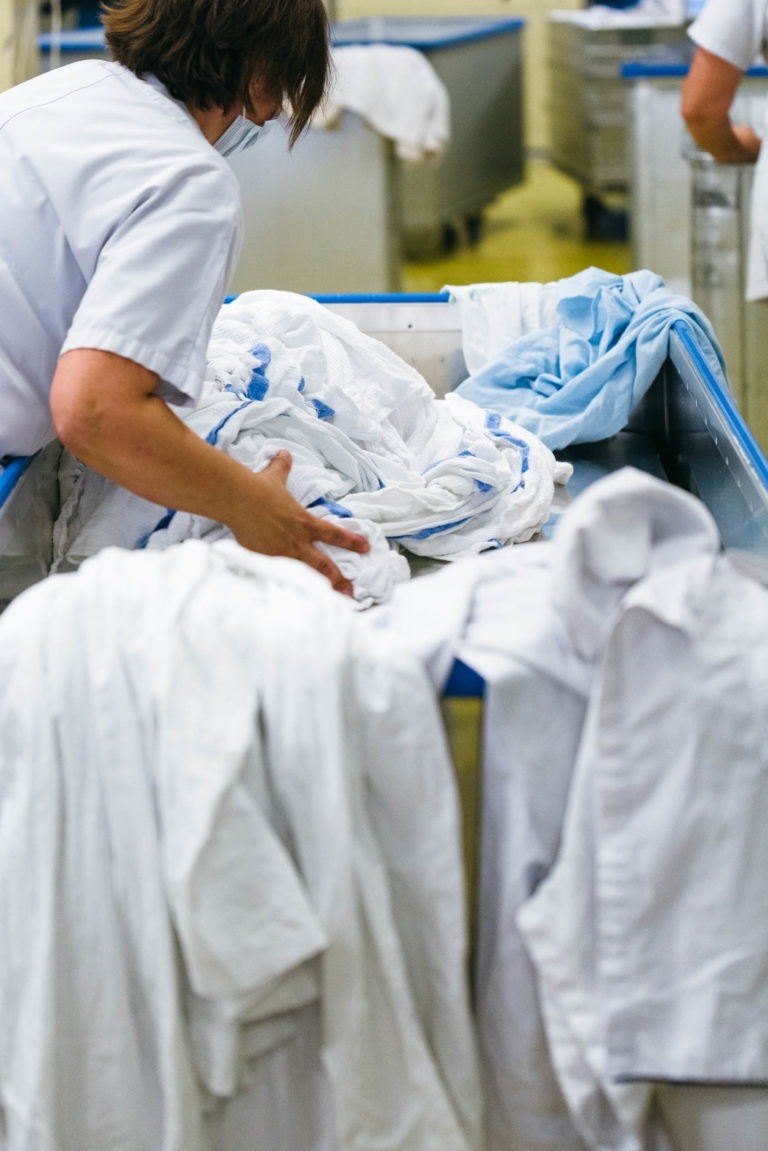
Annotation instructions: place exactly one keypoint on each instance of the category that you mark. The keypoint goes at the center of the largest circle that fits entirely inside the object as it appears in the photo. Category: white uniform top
(119, 227)
(738, 32)
(735, 32)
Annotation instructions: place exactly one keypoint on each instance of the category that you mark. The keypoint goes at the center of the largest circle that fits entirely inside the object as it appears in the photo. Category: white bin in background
(323, 217)
(588, 115)
(480, 62)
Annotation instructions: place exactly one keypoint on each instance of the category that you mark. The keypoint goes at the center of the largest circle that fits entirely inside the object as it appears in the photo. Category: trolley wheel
(450, 239)
(474, 225)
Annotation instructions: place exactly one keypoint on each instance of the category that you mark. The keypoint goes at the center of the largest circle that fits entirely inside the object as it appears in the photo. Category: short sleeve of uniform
(155, 224)
(734, 30)
(161, 278)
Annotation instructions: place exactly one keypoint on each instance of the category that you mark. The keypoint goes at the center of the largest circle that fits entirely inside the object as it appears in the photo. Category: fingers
(280, 463)
(336, 536)
(327, 568)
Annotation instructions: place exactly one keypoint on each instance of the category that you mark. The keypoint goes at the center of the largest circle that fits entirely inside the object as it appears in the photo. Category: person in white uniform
(729, 36)
(120, 223)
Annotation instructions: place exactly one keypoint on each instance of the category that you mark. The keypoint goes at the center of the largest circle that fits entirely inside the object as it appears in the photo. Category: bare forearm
(153, 454)
(707, 97)
(105, 411)
(725, 142)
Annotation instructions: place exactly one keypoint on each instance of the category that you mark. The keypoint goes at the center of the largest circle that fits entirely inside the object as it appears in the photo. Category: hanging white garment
(397, 91)
(369, 440)
(533, 622)
(650, 936)
(228, 844)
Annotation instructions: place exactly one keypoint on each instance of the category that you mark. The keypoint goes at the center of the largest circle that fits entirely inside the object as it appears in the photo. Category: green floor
(535, 232)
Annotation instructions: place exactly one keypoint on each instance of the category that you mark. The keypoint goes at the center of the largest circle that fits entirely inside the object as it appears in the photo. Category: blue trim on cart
(11, 474)
(463, 683)
(673, 69)
(424, 43)
(724, 401)
(74, 40)
(385, 298)
(375, 298)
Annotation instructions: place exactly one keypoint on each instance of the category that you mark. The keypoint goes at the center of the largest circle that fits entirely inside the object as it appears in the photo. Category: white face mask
(241, 134)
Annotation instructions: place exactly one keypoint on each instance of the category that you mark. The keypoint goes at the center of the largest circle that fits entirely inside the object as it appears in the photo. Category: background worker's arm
(708, 93)
(106, 413)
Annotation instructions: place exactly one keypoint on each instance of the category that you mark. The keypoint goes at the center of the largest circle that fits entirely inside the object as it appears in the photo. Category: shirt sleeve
(733, 31)
(162, 273)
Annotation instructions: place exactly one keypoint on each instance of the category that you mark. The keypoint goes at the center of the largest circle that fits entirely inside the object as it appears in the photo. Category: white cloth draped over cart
(625, 789)
(397, 91)
(231, 895)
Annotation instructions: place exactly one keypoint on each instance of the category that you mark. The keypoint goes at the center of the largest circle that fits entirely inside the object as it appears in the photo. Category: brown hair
(207, 52)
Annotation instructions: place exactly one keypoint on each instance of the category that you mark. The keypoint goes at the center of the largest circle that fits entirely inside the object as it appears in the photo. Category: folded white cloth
(396, 91)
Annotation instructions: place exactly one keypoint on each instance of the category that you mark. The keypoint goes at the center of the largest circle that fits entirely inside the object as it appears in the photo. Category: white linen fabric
(663, 857)
(397, 91)
(738, 33)
(494, 315)
(643, 13)
(626, 679)
(104, 177)
(370, 443)
(228, 847)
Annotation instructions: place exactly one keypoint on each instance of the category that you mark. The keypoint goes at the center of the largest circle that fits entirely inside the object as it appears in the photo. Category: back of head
(207, 52)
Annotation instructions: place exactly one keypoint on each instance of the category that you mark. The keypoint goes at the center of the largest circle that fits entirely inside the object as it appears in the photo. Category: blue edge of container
(452, 32)
(463, 681)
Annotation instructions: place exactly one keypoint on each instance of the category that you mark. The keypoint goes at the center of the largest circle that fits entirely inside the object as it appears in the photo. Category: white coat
(231, 896)
(737, 32)
(119, 227)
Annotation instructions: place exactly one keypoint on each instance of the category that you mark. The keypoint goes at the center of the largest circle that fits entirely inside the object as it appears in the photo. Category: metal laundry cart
(480, 62)
(720, 224)
(686, 429)
(587, 105)
(659, 174)
(324, 214)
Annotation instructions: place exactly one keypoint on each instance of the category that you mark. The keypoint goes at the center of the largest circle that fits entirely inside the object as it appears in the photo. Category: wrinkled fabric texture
(578, 380)
(372, 448)
(228, 846)
(397, 91)
(663, 856)
(622, 917)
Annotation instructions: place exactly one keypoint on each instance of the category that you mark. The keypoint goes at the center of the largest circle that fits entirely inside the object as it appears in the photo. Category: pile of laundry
(372, 446)
(572, 358)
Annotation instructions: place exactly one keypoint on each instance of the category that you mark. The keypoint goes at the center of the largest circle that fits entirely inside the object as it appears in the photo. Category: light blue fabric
(578, 381)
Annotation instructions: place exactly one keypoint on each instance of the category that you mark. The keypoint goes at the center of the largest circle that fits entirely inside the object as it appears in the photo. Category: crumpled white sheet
(372, 448)
(397, 91)
(226, 801)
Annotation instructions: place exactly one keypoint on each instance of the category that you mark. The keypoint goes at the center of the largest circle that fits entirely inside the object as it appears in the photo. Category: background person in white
(120, 222)
(729, 36)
